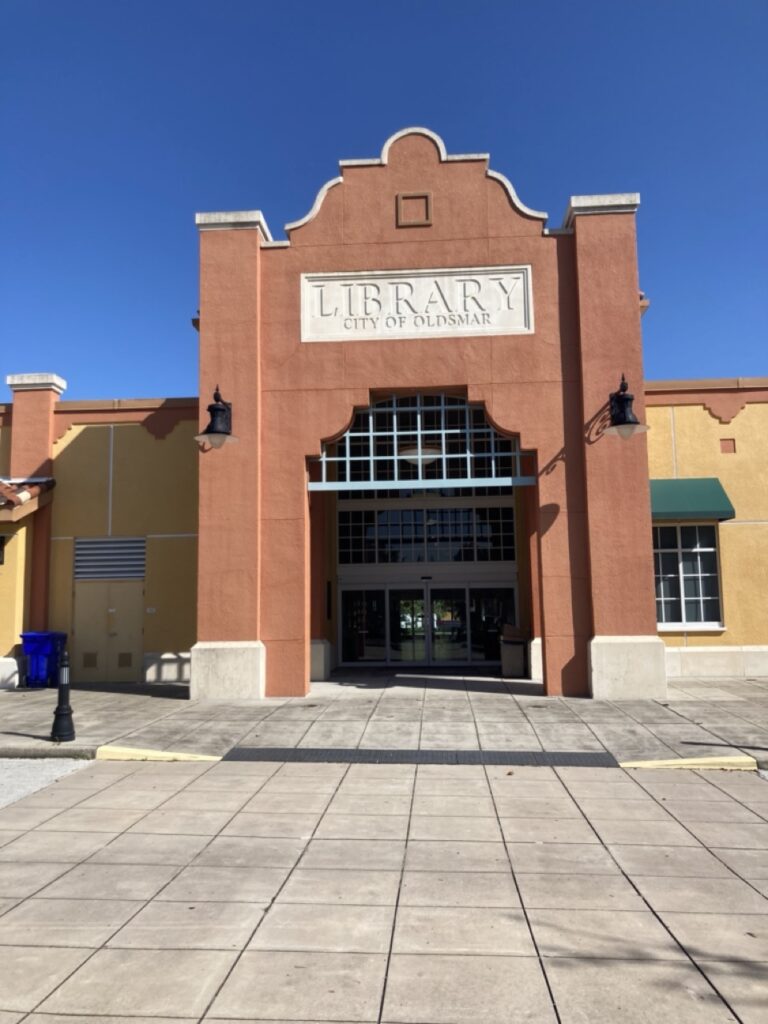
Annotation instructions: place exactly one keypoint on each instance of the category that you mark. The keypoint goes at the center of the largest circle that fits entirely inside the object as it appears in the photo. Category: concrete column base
(536, 660)
(717, 662)
(627, 668)
(320, 661)
(228, 670)
(9, 674)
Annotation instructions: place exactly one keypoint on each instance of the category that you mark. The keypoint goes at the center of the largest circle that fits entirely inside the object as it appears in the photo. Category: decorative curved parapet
(445, 157)
(723, 399)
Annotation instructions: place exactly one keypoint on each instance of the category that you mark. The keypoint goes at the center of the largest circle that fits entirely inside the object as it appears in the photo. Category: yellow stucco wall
(684, 441)
(119, 480)
(14, 573)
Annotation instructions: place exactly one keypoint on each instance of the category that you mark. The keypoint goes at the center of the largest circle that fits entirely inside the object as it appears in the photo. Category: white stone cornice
(36, 382)
(231, 220)
(612, 202)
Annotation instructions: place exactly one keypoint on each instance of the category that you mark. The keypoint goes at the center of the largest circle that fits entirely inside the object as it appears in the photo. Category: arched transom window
(424, 441)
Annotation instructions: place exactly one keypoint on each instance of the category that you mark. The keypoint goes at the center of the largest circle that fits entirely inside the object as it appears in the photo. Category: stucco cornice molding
(611, 202)
(445, 157)
(234, 220)
(36, 382)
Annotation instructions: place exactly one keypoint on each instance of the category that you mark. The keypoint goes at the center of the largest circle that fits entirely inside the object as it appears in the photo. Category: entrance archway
(415, 530)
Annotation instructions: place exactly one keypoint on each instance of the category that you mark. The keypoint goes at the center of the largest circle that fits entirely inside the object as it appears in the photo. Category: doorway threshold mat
(340, 755)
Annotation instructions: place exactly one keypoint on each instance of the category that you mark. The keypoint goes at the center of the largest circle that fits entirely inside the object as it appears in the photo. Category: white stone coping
(229, 220)
(36, 382)
(609, 202)
(445, 157)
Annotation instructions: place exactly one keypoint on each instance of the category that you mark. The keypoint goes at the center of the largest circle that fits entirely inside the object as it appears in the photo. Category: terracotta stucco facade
(592, 575)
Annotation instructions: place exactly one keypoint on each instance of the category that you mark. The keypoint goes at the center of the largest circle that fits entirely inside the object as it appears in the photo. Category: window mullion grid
(680, 573)
(492, 433)
(395, 441)
(468, 440)
(371, 465)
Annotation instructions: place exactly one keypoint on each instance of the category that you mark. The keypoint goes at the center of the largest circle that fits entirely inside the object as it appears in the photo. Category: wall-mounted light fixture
(424, 456)
(624, 423)
(219, 429)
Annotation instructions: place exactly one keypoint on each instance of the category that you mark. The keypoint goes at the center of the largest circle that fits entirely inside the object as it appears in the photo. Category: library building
(423, 443)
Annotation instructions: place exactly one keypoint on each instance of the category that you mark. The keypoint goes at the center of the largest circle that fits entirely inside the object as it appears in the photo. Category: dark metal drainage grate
(340, 755)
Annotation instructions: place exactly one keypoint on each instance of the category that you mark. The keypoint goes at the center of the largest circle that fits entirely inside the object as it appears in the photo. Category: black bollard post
(63, 730)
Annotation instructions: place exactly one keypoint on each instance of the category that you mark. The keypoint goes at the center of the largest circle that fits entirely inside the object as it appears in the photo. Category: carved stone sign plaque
(462, 302)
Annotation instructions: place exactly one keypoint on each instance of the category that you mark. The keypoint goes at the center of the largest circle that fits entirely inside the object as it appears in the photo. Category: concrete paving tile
(575, 858)
(688, 792)
(204, 925)
(288, 803)
(366, 888)
(431, 786)
(19, 818)
(473, 931)
(750, 864)
(304, 986)
(66, 1018)
(335, 928)
(633, 992)
(7, 902)
(83, 819)
(736, 835)
(222, 884)
(191, 823)
(126, 799)
(299, 784)
(704, 895)
(606, 791)
(285, 826)
(137, 848)
(7, 836)
(644, 833)
(624, 810)
(18, 880)
(390, 735)
(427, 989)
(358, 803)
(521, 788)
(363, 826)
(376, 787)
(141, 982)
(64, 922)
(710, 810)
(385, 854)
(441, 856)
(206, 800)
(547, 830)
(524, 808)
(726, 936)
(29, 974)
(572, 774)
(249, 851)
(602, 934)
(110, 882)
(683, 861)
(446, 804)
(743, 984)
(55, 846)
(428, 826)
(458, 889)
(7, 1017)
(548, 891)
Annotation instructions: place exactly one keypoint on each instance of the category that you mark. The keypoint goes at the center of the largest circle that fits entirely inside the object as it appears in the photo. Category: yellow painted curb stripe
(740, 762)
(137, 754)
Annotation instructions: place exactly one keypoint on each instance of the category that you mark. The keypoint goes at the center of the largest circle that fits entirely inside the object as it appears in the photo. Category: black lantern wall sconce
(624, 423)
(219, 429)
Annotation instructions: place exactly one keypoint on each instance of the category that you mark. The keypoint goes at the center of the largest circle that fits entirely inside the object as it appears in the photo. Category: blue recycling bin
(43, 652)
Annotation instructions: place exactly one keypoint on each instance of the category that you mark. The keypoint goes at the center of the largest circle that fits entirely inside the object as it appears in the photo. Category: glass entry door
(429, 624)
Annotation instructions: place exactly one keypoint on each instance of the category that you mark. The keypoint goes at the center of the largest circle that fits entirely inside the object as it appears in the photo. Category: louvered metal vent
(110, 558)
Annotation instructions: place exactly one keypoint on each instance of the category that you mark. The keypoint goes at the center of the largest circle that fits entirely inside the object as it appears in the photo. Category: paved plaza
(424, 894)
(402, 712)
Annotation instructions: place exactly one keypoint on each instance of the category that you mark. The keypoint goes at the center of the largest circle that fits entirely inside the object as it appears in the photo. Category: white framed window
(687, 575)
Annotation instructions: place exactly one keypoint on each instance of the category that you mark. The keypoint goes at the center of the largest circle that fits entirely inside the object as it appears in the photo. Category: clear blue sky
(119, 120)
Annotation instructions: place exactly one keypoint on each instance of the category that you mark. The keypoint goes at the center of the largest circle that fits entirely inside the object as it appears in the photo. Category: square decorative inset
(414, 209)
(124, 660)
(728, 445)
(90, 659)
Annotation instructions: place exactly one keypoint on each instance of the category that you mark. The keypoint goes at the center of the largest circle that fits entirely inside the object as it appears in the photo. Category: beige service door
(107, 635)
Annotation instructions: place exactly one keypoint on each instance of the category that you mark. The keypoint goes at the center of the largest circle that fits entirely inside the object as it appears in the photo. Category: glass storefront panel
(407, 626)
(363, 625)
(491, 608)
(448, 619)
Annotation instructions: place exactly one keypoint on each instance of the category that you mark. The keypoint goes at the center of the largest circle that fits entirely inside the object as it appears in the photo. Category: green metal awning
(698, 498)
